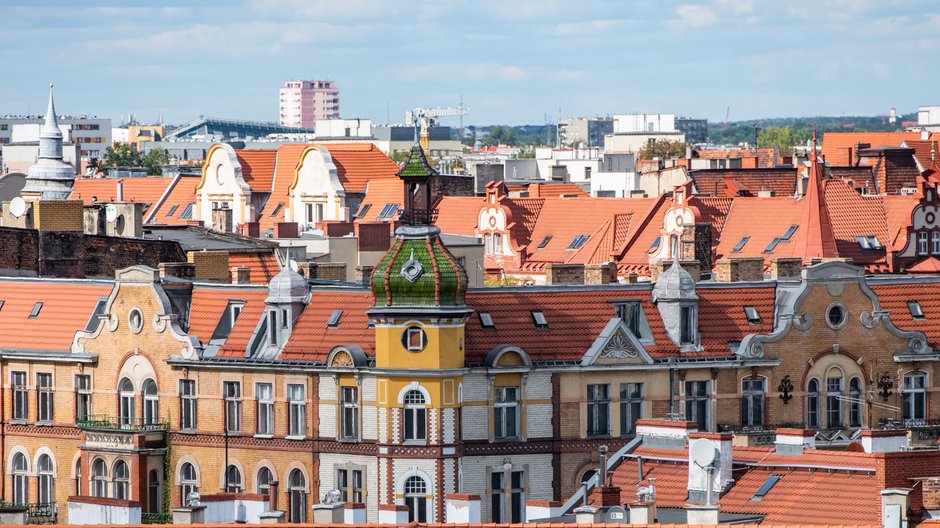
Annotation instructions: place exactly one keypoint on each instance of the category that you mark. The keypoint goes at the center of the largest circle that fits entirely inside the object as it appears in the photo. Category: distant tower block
(303, 103)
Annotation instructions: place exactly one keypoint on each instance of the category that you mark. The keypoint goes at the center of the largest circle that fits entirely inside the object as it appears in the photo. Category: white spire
(50, 177)
(50, 137)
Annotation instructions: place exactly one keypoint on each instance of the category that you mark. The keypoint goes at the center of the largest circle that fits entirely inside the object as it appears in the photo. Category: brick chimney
(790, 442)
(786, 268)
(180, 270)
(600, 273)
(738, 269)
(250, 229)
(241, 275)
(286, 230)
(564, 274)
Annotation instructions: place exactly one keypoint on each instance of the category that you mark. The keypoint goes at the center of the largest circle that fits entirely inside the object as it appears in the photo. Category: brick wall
(210, 265)
(600, 273)
(691, 266)
(564, 274)
(786, 268)
(735, 269)
(59, 215)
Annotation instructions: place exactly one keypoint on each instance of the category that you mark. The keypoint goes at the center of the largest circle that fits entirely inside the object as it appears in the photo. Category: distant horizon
(528, 61)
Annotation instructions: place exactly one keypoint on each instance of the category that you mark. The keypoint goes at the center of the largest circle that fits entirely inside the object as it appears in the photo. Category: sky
(511, 61)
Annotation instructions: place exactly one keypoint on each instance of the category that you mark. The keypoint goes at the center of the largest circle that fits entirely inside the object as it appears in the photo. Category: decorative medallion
(342, 359)
(619, 347)
(411, 270)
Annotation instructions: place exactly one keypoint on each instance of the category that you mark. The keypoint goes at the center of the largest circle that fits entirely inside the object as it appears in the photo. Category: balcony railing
(156, 518)
(115, 423)
(36, 513)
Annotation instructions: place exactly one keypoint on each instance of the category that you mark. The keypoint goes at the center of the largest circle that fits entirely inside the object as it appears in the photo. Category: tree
(120, 155)
(154, 161)
(500, 135)
(663, 150)
(784, 138)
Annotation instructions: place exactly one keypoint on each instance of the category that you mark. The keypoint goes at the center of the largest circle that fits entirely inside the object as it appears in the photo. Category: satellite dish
(18, 207)
(110, 212)
(703, 453)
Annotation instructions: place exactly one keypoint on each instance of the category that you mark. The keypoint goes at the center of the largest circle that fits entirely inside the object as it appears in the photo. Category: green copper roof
(417, 165)
(419, 271)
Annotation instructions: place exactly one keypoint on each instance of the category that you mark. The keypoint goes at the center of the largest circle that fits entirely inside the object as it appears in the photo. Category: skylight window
(740, 245)
(789, 233)
(766, 487)
(388, 211)
(36, 308)
(868, 242)
(545, 241)
(578, 241)
(172, 210)
(539, 319)
(753, 317)
(655, 245)
(917, 312)
(364, 210)
(1, 304)
(333, 321)
(486, 320)
(773, 244)
(187, 213)
(277, 209)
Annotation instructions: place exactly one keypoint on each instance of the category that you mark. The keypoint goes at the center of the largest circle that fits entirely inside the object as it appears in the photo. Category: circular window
(414, 339)
(835, 316)
(136, 320)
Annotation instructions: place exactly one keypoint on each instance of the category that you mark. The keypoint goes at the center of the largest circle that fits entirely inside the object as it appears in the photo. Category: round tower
(50, 178)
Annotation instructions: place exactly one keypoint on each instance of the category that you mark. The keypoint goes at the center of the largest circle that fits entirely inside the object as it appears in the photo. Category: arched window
(99, 478)
(233, 479)
(812, 404)
(834, 386)
(263, 482)
(20, 484)
(588, 475)
(46, 479)
(121, 480)
(297, 488)
(78, 476)
(855, 403)
(126, 391)
(187, 482)
(416, 498)
(151, 403)
(415, 416)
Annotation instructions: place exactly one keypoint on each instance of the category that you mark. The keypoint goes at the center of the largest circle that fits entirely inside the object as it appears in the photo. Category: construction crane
(425, 118)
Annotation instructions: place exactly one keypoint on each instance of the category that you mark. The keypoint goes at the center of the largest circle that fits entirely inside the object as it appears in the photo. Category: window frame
(45, 392)
(19, 383)
(506, 413)
(83, 397)
(349, 415)
(232, 406)
(189, 404)
(812, 404)
(753, 401)
(151, 402)
(264, 409)
(631, 407)
(598, 410)
(120, 482)
(914, 397)
(697, 403)
(296, 410)
(414, 425)
(835, 390)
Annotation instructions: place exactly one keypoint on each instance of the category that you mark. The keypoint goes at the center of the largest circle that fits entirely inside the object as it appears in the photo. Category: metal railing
(41, 513)
(120, 423)
(156, 518)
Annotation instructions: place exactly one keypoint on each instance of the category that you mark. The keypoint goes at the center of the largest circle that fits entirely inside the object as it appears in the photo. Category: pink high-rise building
(304, 102)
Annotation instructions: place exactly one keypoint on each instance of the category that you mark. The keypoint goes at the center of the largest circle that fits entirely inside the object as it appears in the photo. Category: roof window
(1, 304)
(917, 312)
(869, 242)
(36, 308)
(578, 241)
(172, 210)
(753, 317)
(333, 321)
(277, 209)
(655, 244)
(486, 320)
(539, 319)
(545, 241)
(187, 213)
(388, 211)
(773, 244)
(364, 210)
(765, 487)
(789, 233)
(740, 245)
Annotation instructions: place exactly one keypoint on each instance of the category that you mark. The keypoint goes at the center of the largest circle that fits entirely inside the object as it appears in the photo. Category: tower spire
(50, 178)
(817, 238)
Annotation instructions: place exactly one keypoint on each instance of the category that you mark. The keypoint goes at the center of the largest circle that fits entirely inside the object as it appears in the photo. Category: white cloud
(715, 12)
(696, 16)
(589, 27)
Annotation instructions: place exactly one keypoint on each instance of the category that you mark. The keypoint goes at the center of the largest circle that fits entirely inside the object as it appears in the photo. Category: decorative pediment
(616, 344)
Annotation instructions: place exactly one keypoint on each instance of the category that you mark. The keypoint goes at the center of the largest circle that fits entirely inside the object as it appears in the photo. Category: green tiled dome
(418, 271)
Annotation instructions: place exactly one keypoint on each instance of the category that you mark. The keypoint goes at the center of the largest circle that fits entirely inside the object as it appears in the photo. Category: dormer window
(631, 313)
(235, 309)
(753, 317)
(364, 210)
(917, 312)
(539, 319)
(272, 327)
(687, 326)
(284, 318)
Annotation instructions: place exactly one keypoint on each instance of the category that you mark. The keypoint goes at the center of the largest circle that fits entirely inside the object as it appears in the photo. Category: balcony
(36, 513)
(100, 422)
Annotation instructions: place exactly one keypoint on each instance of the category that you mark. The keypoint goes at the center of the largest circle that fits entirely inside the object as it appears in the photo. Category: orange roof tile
(544, 190)
(181, 193)
(66, 308)
(257, 168)
(263, 264)
(378, 194)
(209, 303)
(748, 217)
(312, 339)
(815, 237)
(712, 182)
(837, 146)
(766, 157)
(458, 215)
(288, 156)
(894, 298)
(237, 342)
(853, 215)
(358, 163)
(923, 150)
(146, 190)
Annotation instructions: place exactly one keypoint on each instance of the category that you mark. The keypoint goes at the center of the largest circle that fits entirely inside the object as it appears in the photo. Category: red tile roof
(209, 304)
(458, 215)
(379, 193)
(748, 217)
(837, 146)
(894, 298)
(853, 215)
(257, 168)
(713, 182)
(359, 163)
(236, 344)
(66, 308)
(543, 190)
(263, 264)
(288, 156)
(923, 150)
(180, 194)
(766, 157)
(312, 339)
(146, 190)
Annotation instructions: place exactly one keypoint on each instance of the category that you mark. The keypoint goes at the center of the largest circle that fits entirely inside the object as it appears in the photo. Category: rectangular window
(350, 413)
(631, 407)
(922, 243)
(834, 402)
(753, 317)
(517, 497)
(349, 484)
(333, 321)
(696, 403)
(188, 404)
(35, 312)
(497, 243)
(917, 312)
(486, 320)
(740, 245)
(812, 404)
(20, 396)
(232, 391)
(415, 339)
(364, 210)
(539, 319)
(308, 210)
(277, 209)
(631, 314)
(545, 242)
(264, 395)
(496, 497)
(752, 402)
(506, 413)
(687, 328)
(297, 409)
(915, 397)
(172, 210)
(488, 243)
(321, 214)
(598, 410)
(935, 242)
(272, 327)
(82, 396)
(187, 213)
(46, 394)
